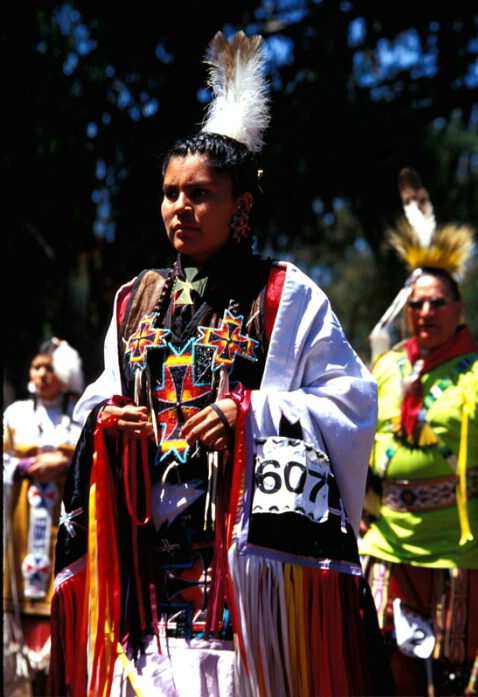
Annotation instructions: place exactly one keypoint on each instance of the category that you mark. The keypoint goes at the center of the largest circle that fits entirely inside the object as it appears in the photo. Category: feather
(239, 107)
(449, 249)
(68, 367)
(416, 204)
(380, 336)
(424, 224)
(417, 238)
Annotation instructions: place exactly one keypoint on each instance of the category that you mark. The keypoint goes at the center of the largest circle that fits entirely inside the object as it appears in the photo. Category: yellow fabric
(129, 670)
(293, 577)
(461, 497)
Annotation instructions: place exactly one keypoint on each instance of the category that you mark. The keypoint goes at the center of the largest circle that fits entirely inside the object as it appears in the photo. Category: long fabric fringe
(294, 622)
(67, 658)
(86, 605)
(102, 597)
(461, 492)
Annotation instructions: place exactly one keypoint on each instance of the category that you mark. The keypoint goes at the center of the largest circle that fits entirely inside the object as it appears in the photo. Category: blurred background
(95, 91)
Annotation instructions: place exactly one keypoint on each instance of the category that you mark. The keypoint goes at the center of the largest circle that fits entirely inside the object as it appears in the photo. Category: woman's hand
(214, 431)
(129, 418)
(48, 465)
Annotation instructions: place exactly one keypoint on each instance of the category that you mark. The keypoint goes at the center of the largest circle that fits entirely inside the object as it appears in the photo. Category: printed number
(270, 482)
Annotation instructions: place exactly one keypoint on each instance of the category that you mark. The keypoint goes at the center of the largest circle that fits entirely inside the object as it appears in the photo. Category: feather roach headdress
(420, 243)
(239, 107)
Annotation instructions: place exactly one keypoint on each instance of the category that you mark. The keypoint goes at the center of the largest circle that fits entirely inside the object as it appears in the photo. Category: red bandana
(457, 345)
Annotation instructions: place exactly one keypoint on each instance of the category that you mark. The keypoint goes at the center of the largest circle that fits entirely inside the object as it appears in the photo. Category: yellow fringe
(461, 496)
(427, 437)
(130, 672)
(92, 568)
(294, 588)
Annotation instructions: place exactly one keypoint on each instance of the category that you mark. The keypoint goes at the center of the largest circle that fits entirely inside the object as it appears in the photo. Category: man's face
(432, 315)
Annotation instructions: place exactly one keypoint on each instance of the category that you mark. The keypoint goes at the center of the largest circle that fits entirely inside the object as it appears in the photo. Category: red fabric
(70, 612)
(273, 296)
(122, 304)
(131, 493)
(334, 627)
(65, 662)
(459, 344)
(108, 563)
(36, 631)
(428, 593)
(240, 454)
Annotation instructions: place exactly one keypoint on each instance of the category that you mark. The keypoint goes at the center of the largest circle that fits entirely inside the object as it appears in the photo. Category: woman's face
(432, 326)
(197, 207)
(45, 381)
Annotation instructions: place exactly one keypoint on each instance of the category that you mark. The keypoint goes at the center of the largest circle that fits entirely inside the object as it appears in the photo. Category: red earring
(240, 224)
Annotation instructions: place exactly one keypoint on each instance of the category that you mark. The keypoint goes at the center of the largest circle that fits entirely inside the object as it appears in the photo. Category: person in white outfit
(39, 438)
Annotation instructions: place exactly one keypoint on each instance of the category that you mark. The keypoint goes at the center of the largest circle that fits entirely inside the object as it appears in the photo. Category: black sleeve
(70, 548)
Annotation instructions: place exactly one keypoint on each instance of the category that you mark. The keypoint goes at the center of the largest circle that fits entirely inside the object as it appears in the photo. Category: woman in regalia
(210, 544)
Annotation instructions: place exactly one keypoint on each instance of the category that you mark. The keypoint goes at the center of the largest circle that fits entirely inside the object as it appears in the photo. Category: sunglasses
(435, 303)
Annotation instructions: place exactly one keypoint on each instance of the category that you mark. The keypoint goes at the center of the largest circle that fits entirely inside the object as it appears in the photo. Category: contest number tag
(290, 477)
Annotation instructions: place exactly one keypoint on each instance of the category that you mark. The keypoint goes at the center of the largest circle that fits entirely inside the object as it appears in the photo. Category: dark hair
(441, 273)
(226, 156)
(48, 347)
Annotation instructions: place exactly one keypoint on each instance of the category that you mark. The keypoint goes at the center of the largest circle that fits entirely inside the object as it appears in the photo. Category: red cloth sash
(273, 296)
(459, 344)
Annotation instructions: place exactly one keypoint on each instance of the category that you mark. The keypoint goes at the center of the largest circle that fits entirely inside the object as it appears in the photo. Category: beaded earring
(240, 224)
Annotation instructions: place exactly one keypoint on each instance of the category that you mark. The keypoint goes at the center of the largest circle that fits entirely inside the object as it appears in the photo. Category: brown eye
(170, 194)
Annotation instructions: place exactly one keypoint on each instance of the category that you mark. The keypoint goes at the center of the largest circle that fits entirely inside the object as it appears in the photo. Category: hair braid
(161, 305)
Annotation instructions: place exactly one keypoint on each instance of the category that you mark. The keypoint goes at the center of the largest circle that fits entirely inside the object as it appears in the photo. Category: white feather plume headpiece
(67, 364)
(417, 238)
(420, 243)
(240, 106)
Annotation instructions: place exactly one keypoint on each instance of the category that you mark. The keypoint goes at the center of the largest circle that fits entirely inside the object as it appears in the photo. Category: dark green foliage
(331, 161)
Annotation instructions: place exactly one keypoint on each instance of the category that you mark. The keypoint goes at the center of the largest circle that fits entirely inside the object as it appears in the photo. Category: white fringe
(260, 596)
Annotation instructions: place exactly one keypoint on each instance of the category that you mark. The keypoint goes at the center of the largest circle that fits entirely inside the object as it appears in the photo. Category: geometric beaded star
(144, 338)
(227, 341)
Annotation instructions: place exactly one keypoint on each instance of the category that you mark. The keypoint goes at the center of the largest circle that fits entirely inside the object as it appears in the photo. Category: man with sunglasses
(419, 541)
(434, 311)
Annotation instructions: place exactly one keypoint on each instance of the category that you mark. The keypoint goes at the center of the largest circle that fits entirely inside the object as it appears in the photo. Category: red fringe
(237, 489)
(109, 591)
(332, 625)
(67, 676)
(335, 628)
